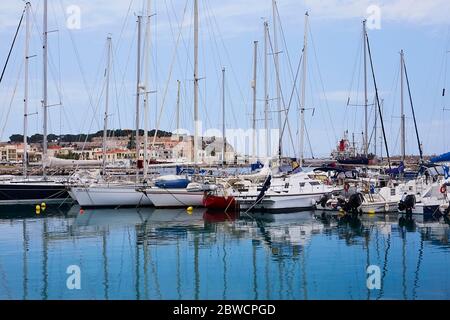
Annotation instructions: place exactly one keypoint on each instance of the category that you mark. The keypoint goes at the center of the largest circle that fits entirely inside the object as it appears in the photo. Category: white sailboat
(121, 194)
(182, 197)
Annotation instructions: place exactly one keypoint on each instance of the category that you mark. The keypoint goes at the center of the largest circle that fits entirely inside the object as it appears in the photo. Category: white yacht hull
(174, 198)
(280, 202)
(109, 196)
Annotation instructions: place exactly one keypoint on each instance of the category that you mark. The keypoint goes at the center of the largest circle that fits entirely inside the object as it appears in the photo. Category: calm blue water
(168, 254)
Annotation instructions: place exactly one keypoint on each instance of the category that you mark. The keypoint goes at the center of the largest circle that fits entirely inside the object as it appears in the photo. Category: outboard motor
(407, 204)
(354, 203)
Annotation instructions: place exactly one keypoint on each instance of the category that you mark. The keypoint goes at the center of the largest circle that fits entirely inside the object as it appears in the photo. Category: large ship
(346, 153)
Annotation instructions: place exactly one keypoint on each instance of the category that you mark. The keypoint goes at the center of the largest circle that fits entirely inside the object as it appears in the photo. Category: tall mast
(178, 106)
(105, 119)
(402, 111)
(45, 85)
(138, 89)
(25, 99)
(196, 79)
(224, 147)
(375, 133)
(146, 86)
(277, 68)
(255, 70)
(366, 101)
(266, 87)
(303, 100)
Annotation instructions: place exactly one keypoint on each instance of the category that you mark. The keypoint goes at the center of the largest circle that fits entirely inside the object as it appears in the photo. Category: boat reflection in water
(173, 254)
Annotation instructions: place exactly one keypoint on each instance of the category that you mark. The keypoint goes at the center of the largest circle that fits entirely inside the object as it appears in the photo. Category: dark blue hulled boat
(32, 192)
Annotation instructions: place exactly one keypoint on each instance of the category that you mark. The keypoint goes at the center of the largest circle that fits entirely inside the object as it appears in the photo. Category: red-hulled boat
(219, 203)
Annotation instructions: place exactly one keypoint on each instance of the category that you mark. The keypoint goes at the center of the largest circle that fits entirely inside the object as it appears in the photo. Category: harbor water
(172, 254)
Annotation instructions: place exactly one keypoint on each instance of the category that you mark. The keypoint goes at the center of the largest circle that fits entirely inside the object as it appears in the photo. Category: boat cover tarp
(396, 171)
(442, 158)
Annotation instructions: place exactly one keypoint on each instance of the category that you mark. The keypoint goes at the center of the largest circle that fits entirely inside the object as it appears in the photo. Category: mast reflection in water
(170, 254)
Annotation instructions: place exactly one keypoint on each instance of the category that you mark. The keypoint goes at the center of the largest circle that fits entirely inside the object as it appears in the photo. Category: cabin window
(302, 184)
(392, 192)
(314, 183)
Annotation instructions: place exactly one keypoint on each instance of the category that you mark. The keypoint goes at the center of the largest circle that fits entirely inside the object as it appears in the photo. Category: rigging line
(357, 94)
(378, 103)
(321, 81)
(11, 101)
(97, 83)
(187, 63)
(290, 101)
(227, 54)
(311, 75)
(51, 62)
(81, 69)
(124, 25)
(123, 75)
(116, 92)
(92, 118)
(282, 98)
(394, 96)
(358, 58)
(309, 142)
(163, 102)
(12, 46)
(413, 113)
(291, 69)
(213, 39)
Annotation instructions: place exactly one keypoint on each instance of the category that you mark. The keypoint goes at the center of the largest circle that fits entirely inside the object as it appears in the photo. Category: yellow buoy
(190, 210)
(371, 212)
(38, 209)
(43, 206)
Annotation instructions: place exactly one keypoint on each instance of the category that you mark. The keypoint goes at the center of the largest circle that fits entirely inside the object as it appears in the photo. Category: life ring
(443, 189)
(346, 187)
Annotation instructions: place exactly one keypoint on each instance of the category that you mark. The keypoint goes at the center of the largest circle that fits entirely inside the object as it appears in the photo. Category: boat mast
(413, 112)
(402, 112)
(366, 101)
(138, 92)
(146, 86)
(224, 147)
(277, 69)
(178, 106)
(196, 79)
(25, 100)
(45, 85)
(266, 87)
(377, 100)
(303, 100)
(255, 70)
(105, 119)
(375, 133)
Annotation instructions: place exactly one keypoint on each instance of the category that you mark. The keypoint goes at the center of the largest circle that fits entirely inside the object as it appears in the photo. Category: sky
(77, 46)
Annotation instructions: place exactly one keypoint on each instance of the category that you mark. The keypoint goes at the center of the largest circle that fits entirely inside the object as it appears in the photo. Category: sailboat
(114, 193)
(285, 192)
(26, 190)
(161, 196)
